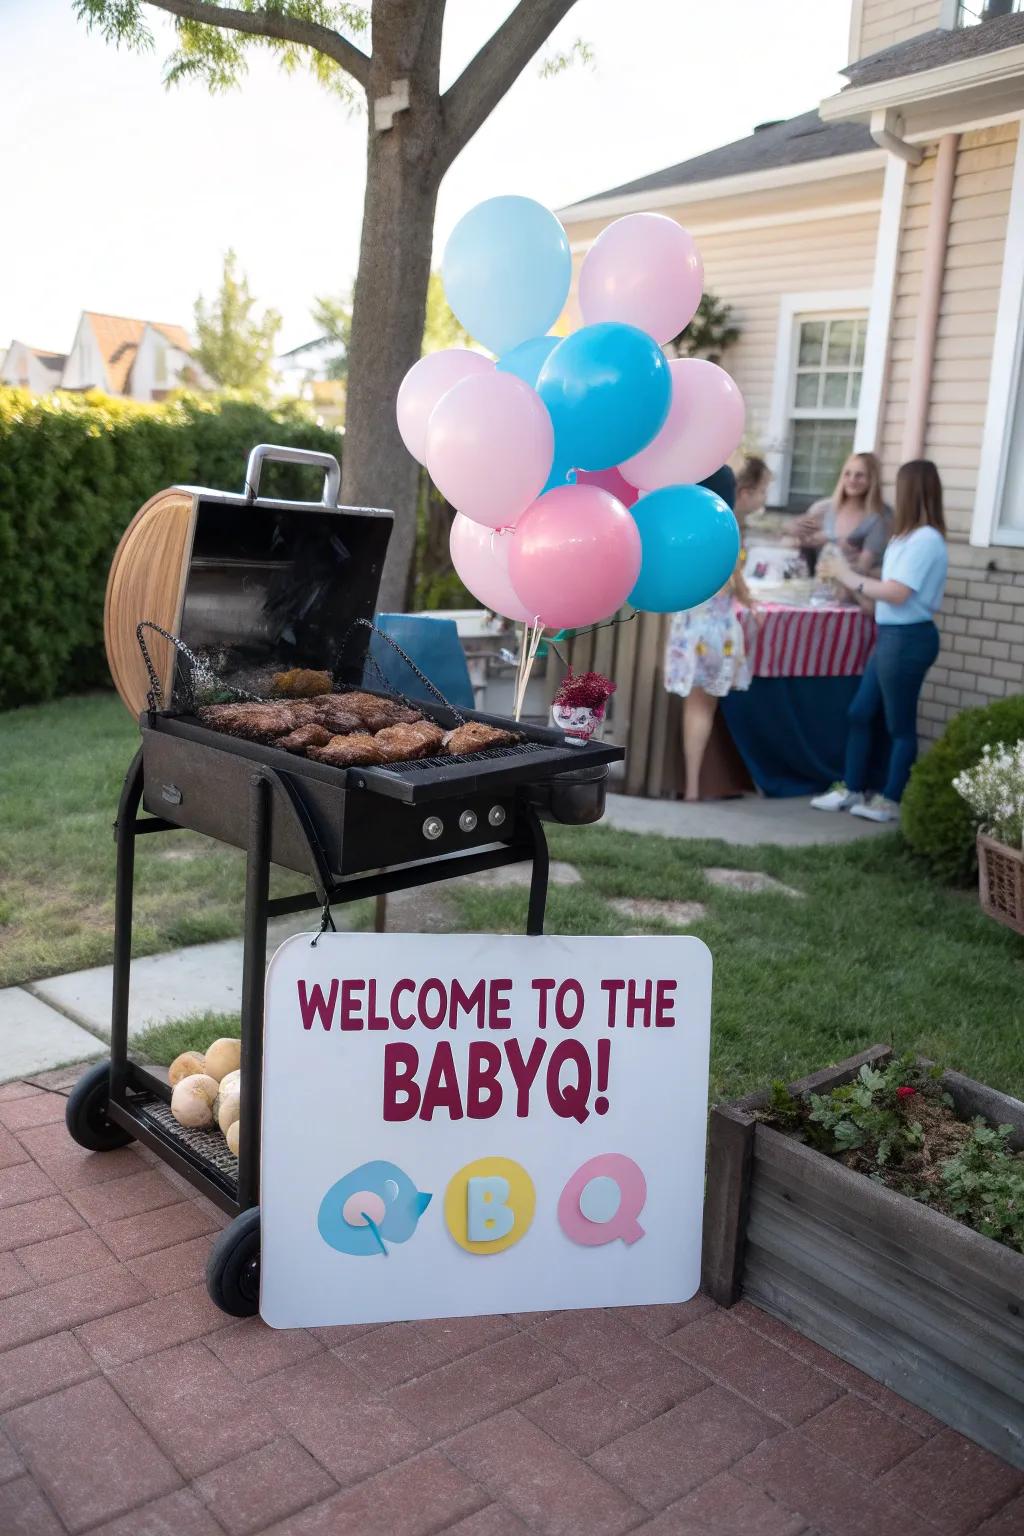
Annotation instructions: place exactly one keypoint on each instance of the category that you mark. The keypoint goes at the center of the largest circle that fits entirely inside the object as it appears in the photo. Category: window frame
(1006, 379)
(794, 309)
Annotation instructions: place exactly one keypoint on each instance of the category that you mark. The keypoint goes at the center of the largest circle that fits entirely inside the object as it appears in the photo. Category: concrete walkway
(67, 1018)
(130, 1406)
(746, 822)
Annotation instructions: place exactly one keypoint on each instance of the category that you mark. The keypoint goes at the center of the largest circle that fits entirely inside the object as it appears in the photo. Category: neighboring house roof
(118, 340)
(793, 142)
(934, 49)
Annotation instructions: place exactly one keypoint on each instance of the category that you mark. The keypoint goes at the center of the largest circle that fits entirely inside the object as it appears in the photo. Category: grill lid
(254, 585)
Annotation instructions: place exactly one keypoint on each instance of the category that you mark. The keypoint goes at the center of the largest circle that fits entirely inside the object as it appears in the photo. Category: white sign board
(467, 1124)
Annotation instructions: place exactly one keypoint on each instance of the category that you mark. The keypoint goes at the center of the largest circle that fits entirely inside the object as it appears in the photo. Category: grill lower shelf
(209, 1147)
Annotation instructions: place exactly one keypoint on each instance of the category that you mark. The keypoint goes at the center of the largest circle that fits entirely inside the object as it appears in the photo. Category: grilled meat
(403, 743)
(357, 750)
(475, 736)
(253, 721)
(303, 737)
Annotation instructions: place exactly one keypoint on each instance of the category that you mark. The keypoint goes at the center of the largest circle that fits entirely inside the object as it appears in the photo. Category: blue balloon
(506, 271)
(690, 542)
(607, 388)
(527, 360)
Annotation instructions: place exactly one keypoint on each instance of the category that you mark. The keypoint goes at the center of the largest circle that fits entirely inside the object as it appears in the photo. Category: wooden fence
(642, 717)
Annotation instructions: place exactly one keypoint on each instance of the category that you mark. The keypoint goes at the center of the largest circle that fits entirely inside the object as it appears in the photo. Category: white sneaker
(878, 808)
(838, 798)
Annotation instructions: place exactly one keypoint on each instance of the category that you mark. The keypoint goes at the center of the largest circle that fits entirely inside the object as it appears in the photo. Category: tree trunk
(402, 178)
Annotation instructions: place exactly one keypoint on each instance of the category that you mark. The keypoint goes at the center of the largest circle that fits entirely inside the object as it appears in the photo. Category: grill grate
(489, 754)
(210, 1146)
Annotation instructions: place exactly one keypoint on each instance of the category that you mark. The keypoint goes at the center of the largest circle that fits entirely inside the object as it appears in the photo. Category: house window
(829, 355)
(970, 12)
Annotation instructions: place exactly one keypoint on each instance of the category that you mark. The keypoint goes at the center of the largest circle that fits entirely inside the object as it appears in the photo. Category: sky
(122, 196)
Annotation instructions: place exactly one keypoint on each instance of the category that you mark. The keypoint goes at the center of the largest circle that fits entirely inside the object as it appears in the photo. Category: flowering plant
(994, 790)
(584, 690)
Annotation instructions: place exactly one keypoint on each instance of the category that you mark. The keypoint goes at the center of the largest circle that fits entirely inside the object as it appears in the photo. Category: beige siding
(884, 22)
(982, 622)
(752, 267)
(967, 319)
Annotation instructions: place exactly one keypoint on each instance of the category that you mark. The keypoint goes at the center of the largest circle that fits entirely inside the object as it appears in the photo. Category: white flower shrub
(994, 790)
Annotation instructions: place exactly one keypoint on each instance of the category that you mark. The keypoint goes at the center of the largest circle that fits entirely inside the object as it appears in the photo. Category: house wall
(982, 621)
(881, 23)
(756, 250)
(84, 368)
(22, 368)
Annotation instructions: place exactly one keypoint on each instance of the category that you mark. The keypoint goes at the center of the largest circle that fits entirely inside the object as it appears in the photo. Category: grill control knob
(496, 815)
(433, 827)
(467, 821)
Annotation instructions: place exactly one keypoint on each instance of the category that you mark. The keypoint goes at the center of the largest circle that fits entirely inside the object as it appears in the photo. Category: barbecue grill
(217, 588)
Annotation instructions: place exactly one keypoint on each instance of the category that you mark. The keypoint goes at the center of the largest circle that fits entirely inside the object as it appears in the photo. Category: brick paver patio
(129, 1406)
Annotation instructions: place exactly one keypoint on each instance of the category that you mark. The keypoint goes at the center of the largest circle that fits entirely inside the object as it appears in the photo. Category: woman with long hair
(906, 599)
(855, 517)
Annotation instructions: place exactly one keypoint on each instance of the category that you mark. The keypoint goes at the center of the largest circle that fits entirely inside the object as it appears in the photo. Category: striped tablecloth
(830, 641)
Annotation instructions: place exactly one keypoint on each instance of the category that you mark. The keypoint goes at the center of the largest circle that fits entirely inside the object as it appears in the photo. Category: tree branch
(486, 78)
(288, 29)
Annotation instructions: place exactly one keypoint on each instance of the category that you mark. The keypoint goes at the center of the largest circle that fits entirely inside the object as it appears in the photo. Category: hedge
(74, 469)
(936, 822)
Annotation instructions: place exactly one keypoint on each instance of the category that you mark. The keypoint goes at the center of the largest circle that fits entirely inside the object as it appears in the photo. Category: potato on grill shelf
(199, 1101)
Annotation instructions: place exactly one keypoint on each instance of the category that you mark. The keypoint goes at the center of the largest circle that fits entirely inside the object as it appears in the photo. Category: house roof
(118, 340)
(933, 49)
(792, 142)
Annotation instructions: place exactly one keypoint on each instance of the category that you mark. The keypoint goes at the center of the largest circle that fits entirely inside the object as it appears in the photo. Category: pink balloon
(645, 271)
(609, 480)
(490, 444)
(576, 556)
(480, 557)
(423, 386)
(704, 426)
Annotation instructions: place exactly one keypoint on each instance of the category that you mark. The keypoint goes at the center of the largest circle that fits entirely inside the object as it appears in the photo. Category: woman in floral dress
(710, 650)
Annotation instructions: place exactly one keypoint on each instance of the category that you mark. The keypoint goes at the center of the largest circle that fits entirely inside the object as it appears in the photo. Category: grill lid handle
(325, 461)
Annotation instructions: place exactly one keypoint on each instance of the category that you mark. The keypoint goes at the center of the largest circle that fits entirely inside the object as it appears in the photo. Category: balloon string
(536, 633)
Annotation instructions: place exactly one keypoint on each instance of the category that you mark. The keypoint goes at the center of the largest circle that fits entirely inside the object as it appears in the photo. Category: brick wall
(982, 627)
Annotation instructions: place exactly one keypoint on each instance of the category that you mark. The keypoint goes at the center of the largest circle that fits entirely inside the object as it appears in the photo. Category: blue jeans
(891, 685)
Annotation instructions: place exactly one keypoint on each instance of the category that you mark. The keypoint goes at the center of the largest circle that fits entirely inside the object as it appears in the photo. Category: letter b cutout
(489, 1205)
(488, 1214)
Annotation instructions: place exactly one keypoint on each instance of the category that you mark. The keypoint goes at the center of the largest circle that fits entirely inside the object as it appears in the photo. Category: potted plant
(994, 790)
(877, 1207)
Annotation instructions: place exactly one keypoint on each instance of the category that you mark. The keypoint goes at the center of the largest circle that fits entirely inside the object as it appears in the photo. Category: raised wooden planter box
(918, 1301)
(1001, 882)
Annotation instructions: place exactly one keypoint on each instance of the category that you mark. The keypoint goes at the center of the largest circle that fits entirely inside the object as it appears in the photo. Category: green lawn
(874, 951)
(61, 768)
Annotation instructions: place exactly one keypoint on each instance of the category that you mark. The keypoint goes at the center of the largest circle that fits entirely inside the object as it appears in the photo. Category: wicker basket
(1001, 882)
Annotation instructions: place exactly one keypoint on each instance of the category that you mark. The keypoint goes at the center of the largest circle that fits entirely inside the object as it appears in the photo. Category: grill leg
(254, 970)
(124, 835)
(539, 878)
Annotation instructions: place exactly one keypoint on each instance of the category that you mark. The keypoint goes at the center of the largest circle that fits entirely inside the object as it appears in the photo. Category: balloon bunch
(572, 462)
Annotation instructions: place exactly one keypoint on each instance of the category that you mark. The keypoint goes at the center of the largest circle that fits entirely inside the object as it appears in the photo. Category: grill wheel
(233, 1268)
(85, 1113)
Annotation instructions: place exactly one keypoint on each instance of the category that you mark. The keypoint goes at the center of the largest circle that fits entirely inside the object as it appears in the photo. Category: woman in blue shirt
(906, 597)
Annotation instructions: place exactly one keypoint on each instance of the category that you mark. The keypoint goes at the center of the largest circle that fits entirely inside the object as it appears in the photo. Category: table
(790, 725)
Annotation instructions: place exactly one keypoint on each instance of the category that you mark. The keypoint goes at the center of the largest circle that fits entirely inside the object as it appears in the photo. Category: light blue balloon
(527, 360)
(506, 271)
(607, 388)
(690, 542)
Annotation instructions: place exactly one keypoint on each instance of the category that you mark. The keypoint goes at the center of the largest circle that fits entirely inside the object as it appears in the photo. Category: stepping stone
(678, 914)
(751, 882)
(518, 875)
(35, 1037)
